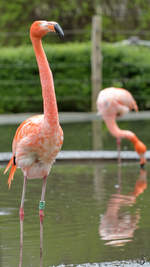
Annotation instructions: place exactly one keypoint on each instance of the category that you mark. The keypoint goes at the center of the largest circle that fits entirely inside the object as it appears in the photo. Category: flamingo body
(39, 138)
(36, 145)
(114, 102)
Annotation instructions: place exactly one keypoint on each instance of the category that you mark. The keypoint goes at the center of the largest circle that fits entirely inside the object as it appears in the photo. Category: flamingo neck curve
(139, 146)
(47, 83)
(116, 131)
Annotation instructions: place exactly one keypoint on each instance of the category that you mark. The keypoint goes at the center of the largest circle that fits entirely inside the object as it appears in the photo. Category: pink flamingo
(113, 102)
(39, 138)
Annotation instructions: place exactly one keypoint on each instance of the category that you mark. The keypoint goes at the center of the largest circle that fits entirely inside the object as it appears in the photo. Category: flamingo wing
(35, 144)
(27, 127)
(125, 98)
(115, 102)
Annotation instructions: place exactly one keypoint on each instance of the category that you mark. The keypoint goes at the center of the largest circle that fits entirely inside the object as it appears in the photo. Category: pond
(86, 135)
(95, 213)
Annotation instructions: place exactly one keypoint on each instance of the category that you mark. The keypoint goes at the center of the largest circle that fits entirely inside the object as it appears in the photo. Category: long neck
(116, 131)
(46, 78)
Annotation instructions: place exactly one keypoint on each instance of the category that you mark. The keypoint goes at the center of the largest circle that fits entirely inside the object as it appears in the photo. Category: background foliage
(121, 19)
(123, 66)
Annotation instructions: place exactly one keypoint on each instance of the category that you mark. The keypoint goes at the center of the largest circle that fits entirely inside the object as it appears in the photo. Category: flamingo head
(40, 28)
(140, 148)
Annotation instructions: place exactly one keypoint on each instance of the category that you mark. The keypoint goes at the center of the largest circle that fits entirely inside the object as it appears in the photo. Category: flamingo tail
(12, 171)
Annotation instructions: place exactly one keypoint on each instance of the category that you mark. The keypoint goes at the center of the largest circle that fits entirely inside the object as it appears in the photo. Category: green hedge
(20, 89)
(128, 67)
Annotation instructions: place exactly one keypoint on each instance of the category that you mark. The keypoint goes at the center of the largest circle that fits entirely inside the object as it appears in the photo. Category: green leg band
(41, 205)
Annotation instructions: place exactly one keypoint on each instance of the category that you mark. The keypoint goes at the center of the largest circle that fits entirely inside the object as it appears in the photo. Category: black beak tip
(142, 165)
(59, 30)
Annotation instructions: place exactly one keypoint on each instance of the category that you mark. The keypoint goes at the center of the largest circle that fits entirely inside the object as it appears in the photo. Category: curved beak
(59, 30)
(142, 165)
(142, 162)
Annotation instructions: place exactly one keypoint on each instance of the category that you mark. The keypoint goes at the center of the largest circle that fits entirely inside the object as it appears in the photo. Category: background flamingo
(113, 102)
(39, 138)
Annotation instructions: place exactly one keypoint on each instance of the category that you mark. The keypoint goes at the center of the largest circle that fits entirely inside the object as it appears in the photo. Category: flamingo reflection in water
(117, 227)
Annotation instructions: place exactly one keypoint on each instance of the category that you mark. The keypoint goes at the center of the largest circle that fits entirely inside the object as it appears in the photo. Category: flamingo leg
(21, 212)
(41, 214)
(22, 199)
(119, 179)
(21, 242)
(119, 150)
(42, 202)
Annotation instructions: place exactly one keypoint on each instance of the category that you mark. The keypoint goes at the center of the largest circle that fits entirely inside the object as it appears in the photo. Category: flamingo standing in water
(114, 102)
(39, 138)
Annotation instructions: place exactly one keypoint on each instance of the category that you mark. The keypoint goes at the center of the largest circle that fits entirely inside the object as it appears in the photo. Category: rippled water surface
(94, 214)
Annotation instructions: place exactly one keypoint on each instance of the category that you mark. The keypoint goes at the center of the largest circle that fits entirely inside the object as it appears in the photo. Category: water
(95, 213)
(86, 135)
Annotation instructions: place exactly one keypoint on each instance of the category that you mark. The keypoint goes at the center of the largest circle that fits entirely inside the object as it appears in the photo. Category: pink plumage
(38, 139)
(113, 102)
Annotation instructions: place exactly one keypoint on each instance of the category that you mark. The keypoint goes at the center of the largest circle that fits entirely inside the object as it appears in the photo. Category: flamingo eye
(43, 24)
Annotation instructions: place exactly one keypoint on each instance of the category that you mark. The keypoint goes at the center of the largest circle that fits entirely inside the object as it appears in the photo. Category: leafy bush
(128, 67)
(20, 85)
(20, 88)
